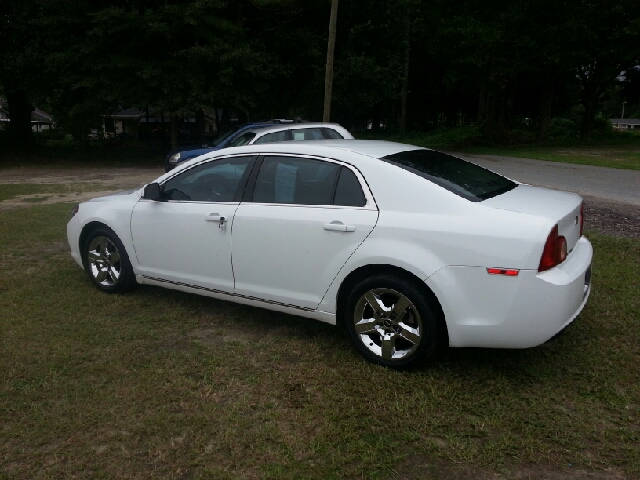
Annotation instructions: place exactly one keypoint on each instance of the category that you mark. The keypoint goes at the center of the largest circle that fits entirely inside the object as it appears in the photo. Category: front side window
(293, 180)
(216, 181)
(463, 178)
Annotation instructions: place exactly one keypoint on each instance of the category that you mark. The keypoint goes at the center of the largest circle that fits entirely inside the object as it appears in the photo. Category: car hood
(112, 196)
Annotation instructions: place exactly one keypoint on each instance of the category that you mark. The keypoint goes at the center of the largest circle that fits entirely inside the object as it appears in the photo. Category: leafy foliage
(500, 63)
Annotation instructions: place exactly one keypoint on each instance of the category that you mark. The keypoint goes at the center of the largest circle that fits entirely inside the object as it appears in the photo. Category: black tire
(107, 263)
(407, 327)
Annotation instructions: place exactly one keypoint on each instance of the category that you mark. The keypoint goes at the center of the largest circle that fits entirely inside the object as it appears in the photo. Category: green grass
(11, 190)
(163, 384)
(441, 138)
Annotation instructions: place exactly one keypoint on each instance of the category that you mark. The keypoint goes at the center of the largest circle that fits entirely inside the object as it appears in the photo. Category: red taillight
(581, 218)
(555, 251)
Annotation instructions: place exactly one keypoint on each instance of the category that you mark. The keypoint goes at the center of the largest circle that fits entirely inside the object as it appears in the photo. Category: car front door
(186, 238)
(303, 220)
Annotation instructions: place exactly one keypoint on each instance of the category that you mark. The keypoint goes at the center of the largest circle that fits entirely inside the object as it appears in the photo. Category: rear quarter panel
(423, 228)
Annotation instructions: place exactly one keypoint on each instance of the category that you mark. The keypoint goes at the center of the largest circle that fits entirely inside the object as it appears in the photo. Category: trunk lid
(562, 208)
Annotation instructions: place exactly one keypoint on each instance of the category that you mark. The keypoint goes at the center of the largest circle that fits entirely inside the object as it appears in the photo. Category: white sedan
(409, 248)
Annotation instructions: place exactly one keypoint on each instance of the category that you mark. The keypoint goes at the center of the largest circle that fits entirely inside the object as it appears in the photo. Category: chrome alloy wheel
(388, 324)
(104, 261)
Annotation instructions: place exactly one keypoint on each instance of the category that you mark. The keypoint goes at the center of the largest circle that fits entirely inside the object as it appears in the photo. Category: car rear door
(302, 220)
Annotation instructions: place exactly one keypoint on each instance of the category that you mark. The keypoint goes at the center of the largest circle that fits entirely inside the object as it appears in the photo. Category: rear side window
(331, 134)
(272, 137)
(301, 181)
(348, 191)
(307, 134)
(463, 178)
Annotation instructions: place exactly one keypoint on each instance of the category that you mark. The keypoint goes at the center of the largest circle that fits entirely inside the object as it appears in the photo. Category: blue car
(261, 132)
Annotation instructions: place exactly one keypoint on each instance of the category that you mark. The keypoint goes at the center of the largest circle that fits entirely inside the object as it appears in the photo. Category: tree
(328, 80)
(604, 38)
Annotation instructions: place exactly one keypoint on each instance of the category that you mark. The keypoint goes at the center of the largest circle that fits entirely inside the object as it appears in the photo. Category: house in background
(625, 123)
(136, 123)
(40, 120)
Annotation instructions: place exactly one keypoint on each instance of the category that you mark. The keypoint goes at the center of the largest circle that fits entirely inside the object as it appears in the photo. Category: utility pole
(622, 118)
(328, 78)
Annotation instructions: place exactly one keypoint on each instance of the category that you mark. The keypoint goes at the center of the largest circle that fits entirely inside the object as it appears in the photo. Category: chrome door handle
(216, 217)
(339, 227)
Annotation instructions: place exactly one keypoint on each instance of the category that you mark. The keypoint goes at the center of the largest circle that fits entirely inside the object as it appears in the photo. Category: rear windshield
(458, 176)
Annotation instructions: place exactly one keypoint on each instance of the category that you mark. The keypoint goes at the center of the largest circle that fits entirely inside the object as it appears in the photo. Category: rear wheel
(107, 263)
(391, 322)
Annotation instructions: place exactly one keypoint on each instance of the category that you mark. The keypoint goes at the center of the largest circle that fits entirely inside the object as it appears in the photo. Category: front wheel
(107, 263)
(391, 322)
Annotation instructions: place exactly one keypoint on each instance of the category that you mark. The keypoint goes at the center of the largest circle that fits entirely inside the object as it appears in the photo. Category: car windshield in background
(224, 136)
(242, 139)
(458, 176)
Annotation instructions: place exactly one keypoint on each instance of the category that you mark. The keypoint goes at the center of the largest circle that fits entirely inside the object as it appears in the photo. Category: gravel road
(610, 184)
(611, 195)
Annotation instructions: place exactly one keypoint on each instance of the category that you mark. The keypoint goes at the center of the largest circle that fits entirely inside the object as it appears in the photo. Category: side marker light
(509, 272)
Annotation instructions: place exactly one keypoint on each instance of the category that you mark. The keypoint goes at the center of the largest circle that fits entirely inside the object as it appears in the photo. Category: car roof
(278, 127)
(326, 148)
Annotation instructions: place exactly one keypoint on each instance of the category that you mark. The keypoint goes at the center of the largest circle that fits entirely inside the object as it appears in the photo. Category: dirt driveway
(603, 215)
(94, 182)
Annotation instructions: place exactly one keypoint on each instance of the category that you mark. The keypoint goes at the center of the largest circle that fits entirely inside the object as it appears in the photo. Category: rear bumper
(496, 311)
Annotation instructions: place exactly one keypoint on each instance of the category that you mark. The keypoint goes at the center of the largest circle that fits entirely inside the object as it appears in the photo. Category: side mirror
(152, 192)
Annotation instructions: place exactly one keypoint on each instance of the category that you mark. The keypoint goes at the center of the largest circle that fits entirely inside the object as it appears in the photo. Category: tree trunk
(482, 103)
(405, 90)
(589, 101)
(490, 127)
(174, 132)
(200, 126)
(163, 132)
(146, 114)
(506, 105)
(484, 90)
(546, 102)
(393, 124)
(328, 78)
(20, 115)
(375, 121)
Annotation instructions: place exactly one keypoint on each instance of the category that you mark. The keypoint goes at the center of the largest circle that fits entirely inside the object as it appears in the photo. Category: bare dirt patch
(124, 178)
(111, 179)
(419, 467)
(617, 219)
(49, 198)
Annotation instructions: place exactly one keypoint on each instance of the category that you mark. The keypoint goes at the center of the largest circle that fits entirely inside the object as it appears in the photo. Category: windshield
(242, 139)
(463, 178)
(224, 136)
